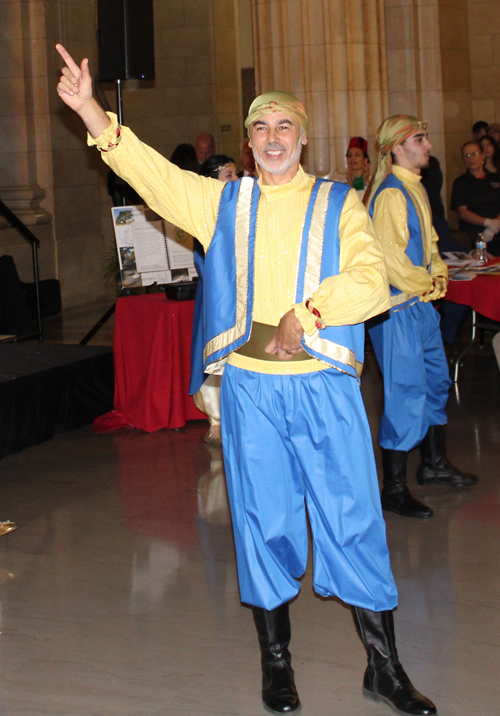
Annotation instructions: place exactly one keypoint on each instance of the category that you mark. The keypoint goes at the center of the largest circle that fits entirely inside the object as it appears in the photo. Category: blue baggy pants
(292, 441)
(410, 353)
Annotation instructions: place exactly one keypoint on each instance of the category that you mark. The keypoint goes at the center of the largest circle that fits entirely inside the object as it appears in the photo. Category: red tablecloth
(482, 294)
(152, 345)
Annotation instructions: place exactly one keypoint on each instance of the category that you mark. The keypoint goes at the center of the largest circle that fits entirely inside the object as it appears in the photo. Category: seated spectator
(247, 160)
(205, 147)
(358, 164)
(479, 130)
(184, 156)
(476, 199)
(491, 152)
(493, 130)
(219, 167)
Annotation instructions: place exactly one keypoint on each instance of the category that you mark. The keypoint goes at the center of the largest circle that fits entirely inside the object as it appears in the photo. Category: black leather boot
(395, 495)
(279, 694)
(435, 468)
(385, 679)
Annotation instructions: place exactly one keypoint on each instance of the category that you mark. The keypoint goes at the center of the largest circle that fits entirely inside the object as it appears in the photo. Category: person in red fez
(358, 164)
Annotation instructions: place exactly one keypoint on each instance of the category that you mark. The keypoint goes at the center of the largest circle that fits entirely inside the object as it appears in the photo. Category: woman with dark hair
(184, 156)
(491, 152)
(476, 198)
(219, 167)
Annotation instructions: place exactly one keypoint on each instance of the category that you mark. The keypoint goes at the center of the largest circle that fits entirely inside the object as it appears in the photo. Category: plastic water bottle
(481, 253)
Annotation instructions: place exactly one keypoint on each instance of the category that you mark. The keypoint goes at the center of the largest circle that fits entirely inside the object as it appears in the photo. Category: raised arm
(75, 90)
(187, 200)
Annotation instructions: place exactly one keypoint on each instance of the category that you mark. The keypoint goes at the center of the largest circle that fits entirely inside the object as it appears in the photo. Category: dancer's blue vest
(415, 247)
(229, 275)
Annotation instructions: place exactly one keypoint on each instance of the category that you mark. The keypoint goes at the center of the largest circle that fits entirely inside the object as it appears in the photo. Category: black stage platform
(47, 388)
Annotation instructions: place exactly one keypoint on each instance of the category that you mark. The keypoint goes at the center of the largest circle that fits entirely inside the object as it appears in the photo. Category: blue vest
(415, 248)
(229, 275)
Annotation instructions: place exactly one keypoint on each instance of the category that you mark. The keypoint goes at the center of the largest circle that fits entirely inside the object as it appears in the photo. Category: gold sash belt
(261, 334)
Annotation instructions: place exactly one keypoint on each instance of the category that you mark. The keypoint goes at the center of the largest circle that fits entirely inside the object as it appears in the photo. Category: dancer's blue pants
(297, 441)
(410, 353)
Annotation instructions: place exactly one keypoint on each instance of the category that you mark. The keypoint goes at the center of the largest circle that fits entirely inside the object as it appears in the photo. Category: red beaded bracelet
(316, 313)
(112, 145)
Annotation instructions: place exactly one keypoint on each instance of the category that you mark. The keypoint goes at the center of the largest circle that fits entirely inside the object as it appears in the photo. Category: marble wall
(429, 76)
(44, 159)
(484, 40)
(332, 54)
(353, 62)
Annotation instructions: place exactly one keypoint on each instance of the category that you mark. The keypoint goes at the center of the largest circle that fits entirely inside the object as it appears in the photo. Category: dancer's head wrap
(276, 101)
(392, 131)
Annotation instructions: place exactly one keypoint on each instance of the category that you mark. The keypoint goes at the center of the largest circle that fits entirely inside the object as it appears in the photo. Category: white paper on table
(179, 247)
(458, 258)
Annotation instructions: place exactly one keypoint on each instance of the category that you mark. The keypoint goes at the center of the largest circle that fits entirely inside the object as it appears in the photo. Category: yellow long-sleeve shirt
(189, 201)
(390, 220)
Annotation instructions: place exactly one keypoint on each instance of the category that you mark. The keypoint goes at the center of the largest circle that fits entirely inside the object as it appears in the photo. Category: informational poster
(150, 249)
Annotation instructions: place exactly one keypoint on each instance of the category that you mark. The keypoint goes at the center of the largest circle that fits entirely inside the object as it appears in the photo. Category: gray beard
(284, 167)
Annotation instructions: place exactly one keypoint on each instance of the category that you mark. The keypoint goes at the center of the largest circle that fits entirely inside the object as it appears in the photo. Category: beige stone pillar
(24, 108)
(25, 164)
(429, 74)
(332, 54)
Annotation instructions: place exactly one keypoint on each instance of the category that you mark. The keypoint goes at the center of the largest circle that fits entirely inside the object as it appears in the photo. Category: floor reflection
(119, 594)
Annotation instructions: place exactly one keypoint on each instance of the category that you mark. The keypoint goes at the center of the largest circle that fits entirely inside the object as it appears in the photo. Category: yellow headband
(276, 101)
(392, 131)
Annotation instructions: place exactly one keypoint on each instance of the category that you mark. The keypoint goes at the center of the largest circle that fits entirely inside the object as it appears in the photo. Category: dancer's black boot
(435, 468)
(395, 495)
(385, 679)
(279, 694)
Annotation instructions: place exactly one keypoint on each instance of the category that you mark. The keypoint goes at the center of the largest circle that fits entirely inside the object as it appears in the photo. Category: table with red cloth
(152, 346)
(482, 294)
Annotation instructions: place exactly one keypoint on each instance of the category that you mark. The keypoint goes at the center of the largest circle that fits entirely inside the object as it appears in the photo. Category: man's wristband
(315, 312)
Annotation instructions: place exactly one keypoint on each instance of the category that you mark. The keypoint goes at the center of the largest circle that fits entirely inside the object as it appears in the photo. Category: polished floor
(119, 596)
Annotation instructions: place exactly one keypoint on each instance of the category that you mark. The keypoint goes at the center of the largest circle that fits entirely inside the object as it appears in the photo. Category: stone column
(332, 54)
(429, 74)
(25, 165)
(24, 108)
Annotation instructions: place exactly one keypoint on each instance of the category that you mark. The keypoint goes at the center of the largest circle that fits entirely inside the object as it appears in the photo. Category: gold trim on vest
(333, 351)
(242, 234)
(312, 278)
(315, 242)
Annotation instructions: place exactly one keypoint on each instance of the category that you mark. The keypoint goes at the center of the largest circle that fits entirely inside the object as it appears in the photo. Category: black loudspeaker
(125, 40)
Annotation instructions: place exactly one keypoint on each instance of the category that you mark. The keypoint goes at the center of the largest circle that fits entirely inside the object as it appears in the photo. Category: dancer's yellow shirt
(391, 224)
(190, 201)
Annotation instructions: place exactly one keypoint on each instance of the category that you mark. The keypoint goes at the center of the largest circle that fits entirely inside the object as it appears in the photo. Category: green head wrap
(392, 131)
(276, 101)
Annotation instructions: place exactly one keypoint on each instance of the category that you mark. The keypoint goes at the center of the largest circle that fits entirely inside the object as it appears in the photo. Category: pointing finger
(68, 59)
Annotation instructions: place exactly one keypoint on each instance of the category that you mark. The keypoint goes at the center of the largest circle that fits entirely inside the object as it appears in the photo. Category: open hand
(75, 83)
(287, 340)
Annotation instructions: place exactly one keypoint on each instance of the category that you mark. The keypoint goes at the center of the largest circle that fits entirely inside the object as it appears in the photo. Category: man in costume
(292, 268)
(407, 341)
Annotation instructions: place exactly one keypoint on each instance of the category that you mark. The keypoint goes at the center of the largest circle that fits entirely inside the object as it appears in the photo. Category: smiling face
(277, 141)
(413, 154)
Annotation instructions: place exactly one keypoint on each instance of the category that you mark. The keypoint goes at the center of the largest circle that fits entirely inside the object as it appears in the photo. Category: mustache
(271, 146)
